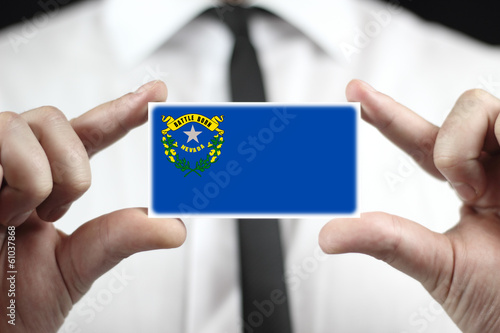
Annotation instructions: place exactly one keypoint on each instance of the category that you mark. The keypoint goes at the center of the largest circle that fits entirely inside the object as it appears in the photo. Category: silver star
(192, 134)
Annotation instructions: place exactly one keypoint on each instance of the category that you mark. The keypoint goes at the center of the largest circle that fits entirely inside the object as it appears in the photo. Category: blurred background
(476, 18)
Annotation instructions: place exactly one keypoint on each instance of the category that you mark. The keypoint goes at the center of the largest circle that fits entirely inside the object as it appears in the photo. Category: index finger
(108, 122)
(406, 129)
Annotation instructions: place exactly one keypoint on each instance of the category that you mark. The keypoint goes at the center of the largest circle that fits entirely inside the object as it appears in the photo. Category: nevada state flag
(253, 160)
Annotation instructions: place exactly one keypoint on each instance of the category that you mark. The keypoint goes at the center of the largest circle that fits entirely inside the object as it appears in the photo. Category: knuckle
(475, 98)
(77, 154)
(10, 120)
(475, 94)
(471, 101)
(52, 115)
(394, 241)
(39, 190)
(445, 162)
(77, 184)
(71, 168)
(124, 102)
(388, 229)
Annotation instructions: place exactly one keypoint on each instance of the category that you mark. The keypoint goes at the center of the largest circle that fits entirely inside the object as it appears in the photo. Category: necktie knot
(246, 78)
(236, 18)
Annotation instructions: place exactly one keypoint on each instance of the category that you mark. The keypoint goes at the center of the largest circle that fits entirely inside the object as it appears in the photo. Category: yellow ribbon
(175, 124)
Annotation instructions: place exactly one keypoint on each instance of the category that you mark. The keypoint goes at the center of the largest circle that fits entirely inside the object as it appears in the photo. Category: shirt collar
(327, 22)
(136, 29)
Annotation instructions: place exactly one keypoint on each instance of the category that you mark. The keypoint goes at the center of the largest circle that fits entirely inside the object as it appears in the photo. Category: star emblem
(192, 134)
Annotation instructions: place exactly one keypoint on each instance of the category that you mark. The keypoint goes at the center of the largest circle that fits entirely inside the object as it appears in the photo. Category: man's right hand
(44, 168)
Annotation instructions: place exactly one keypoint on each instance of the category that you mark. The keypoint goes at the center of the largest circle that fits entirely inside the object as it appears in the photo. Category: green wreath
(202, 165)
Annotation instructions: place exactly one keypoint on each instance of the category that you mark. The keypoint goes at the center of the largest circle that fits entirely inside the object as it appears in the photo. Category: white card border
(152, 214)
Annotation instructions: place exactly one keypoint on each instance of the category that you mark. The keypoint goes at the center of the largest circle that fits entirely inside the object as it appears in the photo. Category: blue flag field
(253, 160)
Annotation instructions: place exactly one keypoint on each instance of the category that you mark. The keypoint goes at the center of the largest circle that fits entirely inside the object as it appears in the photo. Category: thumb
(405, 245)
(100, 244)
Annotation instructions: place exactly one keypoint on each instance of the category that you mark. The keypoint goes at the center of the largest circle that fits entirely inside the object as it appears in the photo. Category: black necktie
(265, 299)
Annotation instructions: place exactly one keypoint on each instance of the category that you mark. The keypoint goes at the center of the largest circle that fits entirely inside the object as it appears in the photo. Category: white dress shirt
(95, 51)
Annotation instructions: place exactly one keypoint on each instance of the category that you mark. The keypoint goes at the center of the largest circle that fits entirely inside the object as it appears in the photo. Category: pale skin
(459, 268)
(54, 269)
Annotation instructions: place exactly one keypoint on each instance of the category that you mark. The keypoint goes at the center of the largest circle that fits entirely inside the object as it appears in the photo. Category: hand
(45, 167)
(460, 268)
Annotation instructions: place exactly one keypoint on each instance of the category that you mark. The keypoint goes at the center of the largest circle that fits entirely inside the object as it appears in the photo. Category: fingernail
(146, 87)
(19, 219)
(465, 191)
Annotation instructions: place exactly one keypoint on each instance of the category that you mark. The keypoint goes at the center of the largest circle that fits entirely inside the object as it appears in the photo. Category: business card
(238, 160)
